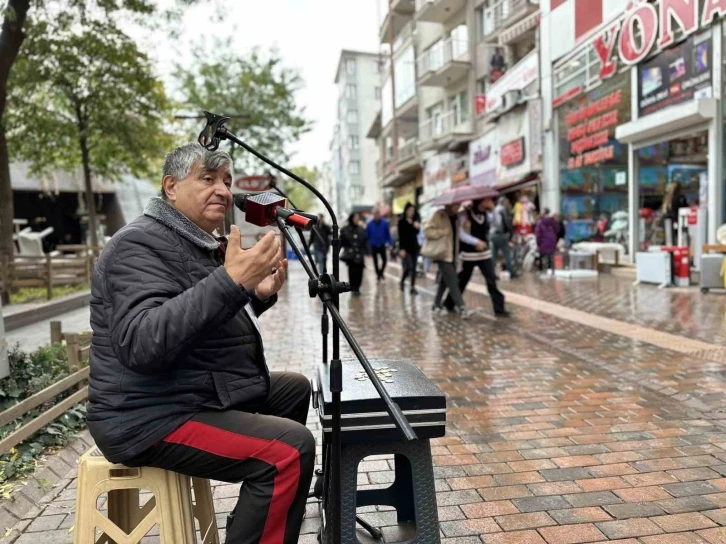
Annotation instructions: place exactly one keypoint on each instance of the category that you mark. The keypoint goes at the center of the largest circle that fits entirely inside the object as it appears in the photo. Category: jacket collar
(168, 215)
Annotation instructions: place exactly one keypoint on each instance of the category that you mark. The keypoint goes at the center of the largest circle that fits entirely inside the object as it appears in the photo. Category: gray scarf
(168, 215)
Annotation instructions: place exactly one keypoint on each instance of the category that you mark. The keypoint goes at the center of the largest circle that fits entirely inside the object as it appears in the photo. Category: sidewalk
(557, 431)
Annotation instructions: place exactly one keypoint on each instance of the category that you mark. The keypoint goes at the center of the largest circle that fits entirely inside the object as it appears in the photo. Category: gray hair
(179, 163)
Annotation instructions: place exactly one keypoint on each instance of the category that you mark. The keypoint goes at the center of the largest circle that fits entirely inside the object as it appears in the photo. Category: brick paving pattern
(557, 432)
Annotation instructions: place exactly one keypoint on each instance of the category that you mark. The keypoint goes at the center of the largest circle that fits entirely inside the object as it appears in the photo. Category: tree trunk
(90, 200)
(11, 37)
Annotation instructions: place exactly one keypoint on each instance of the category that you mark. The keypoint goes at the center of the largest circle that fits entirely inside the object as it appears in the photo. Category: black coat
(354, 244)
(408, 236)
(321, 240)
(171, 338)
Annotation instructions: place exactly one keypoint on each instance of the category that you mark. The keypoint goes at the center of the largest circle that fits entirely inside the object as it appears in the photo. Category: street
(565, 423)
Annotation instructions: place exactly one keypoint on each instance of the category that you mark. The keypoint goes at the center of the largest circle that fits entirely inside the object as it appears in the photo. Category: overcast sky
(309, 35)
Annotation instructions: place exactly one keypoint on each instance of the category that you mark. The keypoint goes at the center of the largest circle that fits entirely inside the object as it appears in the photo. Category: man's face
(486, 204)
(453, 209)
(204, 196)
(376, 215)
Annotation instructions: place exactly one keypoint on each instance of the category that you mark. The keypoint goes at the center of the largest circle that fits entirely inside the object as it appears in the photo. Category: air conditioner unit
(653, 267)
(512, 98)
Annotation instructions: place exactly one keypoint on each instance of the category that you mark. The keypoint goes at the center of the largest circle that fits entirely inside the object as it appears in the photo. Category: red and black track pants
(271, 452)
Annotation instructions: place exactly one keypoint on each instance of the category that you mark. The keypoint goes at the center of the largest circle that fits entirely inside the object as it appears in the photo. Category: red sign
(253, 184)
(636, 34)
(512, 153)
(693, 216)
(590, 128)
(480, 103)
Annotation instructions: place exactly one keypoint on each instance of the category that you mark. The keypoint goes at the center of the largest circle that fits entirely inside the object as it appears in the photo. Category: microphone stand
(327, 288)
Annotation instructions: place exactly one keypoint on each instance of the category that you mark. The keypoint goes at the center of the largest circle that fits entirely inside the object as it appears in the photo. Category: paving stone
(687, 504)
(539, 504)
(565, 474)
(633, 510)
(579, 515)
(637, 527)
(572, 534)
(689, 489)
(677, 523)
(46, 523)
(596, 498)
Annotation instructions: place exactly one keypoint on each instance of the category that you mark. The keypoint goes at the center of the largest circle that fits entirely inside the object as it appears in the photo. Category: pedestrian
(322, 234)
(408, 230)
(547, 233)
(475, 252)
(354, 244)
(379, 238)
(442, 246)
(179, 378)
(501, 231)
(561, 242)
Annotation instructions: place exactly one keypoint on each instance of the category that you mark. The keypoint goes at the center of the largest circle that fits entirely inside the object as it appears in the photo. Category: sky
(309, 35)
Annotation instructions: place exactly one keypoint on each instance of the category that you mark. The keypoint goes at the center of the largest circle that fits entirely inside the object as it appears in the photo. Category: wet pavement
(558, 431)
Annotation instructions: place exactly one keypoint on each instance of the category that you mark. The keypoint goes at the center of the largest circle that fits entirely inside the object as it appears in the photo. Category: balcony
(403, 7)
(505, 14)
(442, 130)
(444, 63)
(408, 158)
(398, 21)
(438, 11)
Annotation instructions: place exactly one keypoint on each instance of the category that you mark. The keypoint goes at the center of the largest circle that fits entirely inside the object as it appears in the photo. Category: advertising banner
(482, 160)
(676, 75)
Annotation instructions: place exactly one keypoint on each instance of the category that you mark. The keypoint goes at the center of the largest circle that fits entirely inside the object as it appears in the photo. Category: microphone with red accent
(263, 210)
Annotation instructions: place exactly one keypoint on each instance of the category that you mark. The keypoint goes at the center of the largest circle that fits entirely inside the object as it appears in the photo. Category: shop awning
(662, 125)
(517, 29)
(55, 182)
(529, 180)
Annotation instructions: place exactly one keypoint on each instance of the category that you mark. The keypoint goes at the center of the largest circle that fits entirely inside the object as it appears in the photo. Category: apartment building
(449, 68)
(354, 156)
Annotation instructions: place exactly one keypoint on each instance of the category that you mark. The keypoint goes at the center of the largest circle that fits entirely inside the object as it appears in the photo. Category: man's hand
(249, 267)
(402, 253)
(416, 225)
(481, 246)
(272, 284)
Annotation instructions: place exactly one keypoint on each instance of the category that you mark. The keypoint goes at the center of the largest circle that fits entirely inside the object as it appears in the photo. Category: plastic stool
(171, 507)
(413, 492)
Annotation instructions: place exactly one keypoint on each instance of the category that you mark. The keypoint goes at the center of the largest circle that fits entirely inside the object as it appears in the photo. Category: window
(480, 23)
(354, 167)
(353, 142)
(350, 91)
(379, 67)
(350, 66)
(436, 116)
(481, 86)
(352, 116)
(378, 93)
(459, 105)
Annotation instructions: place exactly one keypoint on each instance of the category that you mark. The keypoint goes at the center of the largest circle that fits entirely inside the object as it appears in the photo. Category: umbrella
(464, 193)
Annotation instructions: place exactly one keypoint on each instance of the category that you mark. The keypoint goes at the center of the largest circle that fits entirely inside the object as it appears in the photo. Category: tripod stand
(327, 288)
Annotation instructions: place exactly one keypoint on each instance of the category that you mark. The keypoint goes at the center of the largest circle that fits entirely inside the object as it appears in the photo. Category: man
(178, 372)
(379, 239)
(442, 246)
(475, 252)
(321, 235)
(501, 234)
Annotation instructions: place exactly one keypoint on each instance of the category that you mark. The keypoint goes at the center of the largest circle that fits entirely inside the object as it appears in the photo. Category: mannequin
(523, 214)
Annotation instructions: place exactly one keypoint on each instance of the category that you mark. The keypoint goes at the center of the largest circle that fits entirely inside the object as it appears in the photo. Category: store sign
(482, 162)
(459, 168)
(589, 129)
(523, 74)
(253, 184)
(647, 25)
(512, 153)
(436, 175)
(676, 75)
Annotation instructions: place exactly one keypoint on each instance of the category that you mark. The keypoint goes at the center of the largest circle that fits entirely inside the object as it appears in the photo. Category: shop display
(712, 272)
(524, 214)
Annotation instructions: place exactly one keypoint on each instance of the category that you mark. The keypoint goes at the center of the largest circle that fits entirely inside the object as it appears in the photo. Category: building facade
(633, 117)
(354, 156)
(460, 82)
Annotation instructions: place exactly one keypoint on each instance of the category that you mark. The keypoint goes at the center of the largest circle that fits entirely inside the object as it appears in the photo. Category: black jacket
(407, 236)
(171, 334)
(321, 240)
(354, 244)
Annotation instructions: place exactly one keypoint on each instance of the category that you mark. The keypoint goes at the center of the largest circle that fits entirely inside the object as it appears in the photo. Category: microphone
(263, 209)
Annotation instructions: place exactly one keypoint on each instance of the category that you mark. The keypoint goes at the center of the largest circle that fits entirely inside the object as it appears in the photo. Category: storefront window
(593, 165)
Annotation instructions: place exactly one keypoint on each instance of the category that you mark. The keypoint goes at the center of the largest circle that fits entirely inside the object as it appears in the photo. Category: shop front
(639, 129)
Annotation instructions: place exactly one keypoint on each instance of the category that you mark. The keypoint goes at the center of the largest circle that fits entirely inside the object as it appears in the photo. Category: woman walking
(354, 244)
(547, 233)
(408, 229)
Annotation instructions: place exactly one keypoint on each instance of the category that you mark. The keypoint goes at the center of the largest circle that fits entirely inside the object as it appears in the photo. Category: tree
(13, 14)
(256, 89)
(299, 194)
(86, 99)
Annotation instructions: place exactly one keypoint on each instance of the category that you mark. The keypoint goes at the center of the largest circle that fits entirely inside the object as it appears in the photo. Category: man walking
(475, 252)
(321, 235)
(379, 239)
(501, 234)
